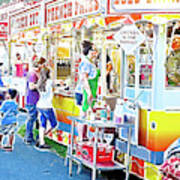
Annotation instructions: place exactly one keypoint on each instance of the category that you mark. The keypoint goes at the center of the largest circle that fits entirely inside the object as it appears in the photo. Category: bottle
(118, 112)
(108, 113)
(98, 110)
(104, 111)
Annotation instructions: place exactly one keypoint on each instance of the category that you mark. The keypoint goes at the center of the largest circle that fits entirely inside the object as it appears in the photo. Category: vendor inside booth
(173, 56)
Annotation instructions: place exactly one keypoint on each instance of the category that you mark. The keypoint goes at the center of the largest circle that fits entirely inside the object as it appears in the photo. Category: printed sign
(25, 20)
(3, 30)
(4, 16)
(120, 6)
(129, 37)
(70, 9)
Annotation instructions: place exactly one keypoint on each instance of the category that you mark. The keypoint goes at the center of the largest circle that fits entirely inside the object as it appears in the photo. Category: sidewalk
(27, 163)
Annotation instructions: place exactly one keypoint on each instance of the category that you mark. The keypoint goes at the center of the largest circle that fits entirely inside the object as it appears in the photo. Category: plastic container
(118, 112)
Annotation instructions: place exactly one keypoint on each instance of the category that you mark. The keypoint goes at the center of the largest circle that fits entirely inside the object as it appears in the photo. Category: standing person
(9, 110)
(45, 108)
(32, 97)
(19, 65)
(109, 68)
(86, 88)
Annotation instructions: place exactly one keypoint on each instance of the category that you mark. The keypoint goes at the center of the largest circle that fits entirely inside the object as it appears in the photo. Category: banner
(60, 11)
(25, 20)
(124, 6)
(3, 30)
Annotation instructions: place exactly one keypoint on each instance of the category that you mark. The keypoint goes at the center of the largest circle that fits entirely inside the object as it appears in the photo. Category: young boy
(8, 110)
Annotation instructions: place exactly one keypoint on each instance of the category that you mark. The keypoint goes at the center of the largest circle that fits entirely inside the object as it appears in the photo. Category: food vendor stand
(65, 20)
(150, 89)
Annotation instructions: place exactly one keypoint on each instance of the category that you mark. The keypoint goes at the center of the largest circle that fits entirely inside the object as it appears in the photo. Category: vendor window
(173, 54)
(64, 59)
(146, 54)
(113, 61)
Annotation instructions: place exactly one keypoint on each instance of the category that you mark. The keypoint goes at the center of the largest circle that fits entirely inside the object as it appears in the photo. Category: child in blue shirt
(8, 110)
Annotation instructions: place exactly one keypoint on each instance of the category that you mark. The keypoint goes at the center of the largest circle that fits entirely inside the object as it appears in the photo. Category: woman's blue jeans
(32, 117)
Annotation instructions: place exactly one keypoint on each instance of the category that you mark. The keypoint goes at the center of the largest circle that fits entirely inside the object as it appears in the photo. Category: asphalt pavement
(25, 162)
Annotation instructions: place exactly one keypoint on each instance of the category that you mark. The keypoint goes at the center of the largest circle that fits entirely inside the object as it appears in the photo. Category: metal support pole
(95, 154)
(70, 149)
(128, 153)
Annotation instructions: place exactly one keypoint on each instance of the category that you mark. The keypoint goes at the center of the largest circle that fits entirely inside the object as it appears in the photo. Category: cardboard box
(85, 151)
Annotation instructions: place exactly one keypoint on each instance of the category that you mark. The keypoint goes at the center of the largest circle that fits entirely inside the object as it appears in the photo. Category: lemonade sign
(129, 37)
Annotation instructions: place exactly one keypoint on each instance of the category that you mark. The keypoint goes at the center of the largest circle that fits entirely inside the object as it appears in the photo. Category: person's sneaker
(43, 147)
(28, 141)
(8, 148)
(37, 144)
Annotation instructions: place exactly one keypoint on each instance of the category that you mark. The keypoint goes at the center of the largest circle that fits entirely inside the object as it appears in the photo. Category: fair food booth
(150, 82)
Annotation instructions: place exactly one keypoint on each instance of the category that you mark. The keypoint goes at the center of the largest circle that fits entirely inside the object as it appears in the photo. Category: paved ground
(27, 163)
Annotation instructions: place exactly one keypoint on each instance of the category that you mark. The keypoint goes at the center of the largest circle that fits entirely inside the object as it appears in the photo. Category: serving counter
(64, 106)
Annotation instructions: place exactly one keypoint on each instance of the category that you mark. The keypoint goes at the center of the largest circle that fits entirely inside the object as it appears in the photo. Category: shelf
(100, 123)
(104, 166)
(99, 166)
(94, 123)
(145, 87)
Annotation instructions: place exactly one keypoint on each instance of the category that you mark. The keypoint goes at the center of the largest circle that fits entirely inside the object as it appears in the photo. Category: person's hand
(61, 82)
(1, 115)
(32, 86)
(90, 99)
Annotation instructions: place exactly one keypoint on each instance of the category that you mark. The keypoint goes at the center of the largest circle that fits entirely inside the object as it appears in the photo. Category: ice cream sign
(117, 6)
(129, 37)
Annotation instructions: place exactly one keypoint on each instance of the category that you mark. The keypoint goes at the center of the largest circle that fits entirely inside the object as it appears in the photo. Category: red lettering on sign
(122, 2)
(56, 12)
(30, 20)
(137, 1)
(149, 1)
(61, 12)
(52, 14)
(76, 8)
(64, 10)
(49, 15)
(69, 10)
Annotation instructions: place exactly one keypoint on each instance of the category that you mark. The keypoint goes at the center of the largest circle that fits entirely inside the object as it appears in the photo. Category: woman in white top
(45, 108)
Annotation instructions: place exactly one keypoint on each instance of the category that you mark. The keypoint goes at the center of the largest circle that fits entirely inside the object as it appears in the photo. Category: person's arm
(85, 82)
(49, 88)
(84, 70)
(86, 85)
(3, 107)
